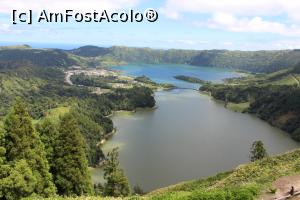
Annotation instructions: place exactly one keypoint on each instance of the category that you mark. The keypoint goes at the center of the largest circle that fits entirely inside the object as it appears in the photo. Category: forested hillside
(38, 107)
(254, 61)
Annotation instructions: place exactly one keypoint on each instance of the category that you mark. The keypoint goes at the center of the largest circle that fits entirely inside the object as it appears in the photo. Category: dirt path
(283, 186)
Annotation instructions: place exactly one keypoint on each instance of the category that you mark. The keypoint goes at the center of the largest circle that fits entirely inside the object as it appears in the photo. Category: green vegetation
(238, 107)
(90, 81)
(25, 167)
(254, 61)
(49, 136)
(144, 79)
(90, 51)
(50, 161)
(24, 46)
(70, 167)
(37, 57)
(115, 81)
(258, 151)
(116, 182)
(191, 79)
(47, 95)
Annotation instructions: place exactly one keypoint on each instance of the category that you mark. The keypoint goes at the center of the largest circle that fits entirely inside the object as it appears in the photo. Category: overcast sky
(182, 24)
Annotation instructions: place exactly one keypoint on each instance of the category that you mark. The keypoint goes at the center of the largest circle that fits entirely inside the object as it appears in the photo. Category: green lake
(189, 135)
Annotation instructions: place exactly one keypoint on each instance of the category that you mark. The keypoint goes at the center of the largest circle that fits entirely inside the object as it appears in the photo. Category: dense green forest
(51, 159)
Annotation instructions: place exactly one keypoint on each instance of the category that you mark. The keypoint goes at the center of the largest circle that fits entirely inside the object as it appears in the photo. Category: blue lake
(165, 73)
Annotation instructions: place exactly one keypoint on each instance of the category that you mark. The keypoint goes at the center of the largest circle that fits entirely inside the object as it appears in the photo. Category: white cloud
(174, 8)
(241, 16)
(255, 25)
(5, 28)
(6, 6)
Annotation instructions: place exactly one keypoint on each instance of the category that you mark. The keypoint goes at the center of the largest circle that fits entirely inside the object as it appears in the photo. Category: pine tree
(116, 182)
(71, 175)
(24, 152)
(258, 151)
(49, 136)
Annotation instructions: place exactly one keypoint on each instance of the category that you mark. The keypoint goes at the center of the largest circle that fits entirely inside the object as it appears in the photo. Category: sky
(181, 24)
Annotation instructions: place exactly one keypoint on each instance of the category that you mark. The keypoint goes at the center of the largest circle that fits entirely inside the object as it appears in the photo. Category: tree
(25, 154)
(258, 151)
(49, 136)
(116, 182)
(92, 133)
(71, 175)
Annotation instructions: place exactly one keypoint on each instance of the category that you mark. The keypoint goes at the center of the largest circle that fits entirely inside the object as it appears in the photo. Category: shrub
(211, 195)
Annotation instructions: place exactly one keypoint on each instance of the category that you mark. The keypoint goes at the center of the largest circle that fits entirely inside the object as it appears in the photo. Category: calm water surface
(189, 135)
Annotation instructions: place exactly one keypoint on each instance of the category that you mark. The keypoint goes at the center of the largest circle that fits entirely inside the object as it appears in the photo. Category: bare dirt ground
(283, 186)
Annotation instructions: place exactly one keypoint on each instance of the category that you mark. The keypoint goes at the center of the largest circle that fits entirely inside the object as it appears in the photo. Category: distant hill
(10, 57)
(24, 46)
(90, 51)
(254, 61)
(152, 56)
